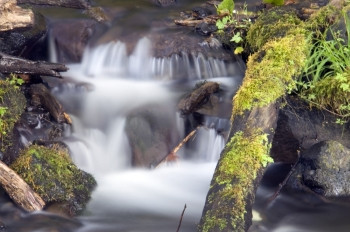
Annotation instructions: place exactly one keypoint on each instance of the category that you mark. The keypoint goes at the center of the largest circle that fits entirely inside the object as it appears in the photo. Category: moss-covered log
(270, 73)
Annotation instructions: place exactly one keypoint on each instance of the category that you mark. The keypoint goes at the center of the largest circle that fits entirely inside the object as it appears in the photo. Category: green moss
(323, 18)
(273, 24)
(51, 173)
(270, 72)
(12, 105)
(244, 156)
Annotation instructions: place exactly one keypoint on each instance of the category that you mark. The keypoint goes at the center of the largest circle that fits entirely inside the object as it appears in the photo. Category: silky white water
(115, 85)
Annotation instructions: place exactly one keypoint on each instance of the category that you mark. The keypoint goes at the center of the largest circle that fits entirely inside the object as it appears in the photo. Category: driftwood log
(13, 16)
(12, 64)
(18, 190)
(78, 4)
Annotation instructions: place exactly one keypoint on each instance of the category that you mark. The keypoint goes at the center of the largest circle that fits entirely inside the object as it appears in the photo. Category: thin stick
(172, 155)
(182, 215)
(281, 185)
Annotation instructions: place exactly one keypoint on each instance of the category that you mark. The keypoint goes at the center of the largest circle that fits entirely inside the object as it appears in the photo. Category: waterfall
(111, 59)
(113, 86)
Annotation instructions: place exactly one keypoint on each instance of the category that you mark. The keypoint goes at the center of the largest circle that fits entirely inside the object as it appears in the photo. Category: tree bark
(78, 4)
(264, 118)
(18, 190)
(12, 64)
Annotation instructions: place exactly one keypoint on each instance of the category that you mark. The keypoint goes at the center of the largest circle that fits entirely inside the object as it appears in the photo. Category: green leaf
(274, 2)
(220, 25)
(238, 50)
(226, 6)
(237, 38)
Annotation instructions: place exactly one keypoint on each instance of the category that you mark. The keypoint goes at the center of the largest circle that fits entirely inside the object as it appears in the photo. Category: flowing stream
(111, 85)
(114, 85)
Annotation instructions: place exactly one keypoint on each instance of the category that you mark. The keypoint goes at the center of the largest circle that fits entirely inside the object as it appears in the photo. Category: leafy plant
(232, 20)
(225, 7)
(274, 2)
(15, 80)
(326, 80)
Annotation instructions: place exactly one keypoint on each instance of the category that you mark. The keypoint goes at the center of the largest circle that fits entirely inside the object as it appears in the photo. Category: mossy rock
(12, 103)
(323, 18)
(273, 24)
(52, 174)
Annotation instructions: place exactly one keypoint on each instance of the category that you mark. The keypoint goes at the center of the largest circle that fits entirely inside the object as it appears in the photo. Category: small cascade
(111, 60)
(116, 92)
(208, 145)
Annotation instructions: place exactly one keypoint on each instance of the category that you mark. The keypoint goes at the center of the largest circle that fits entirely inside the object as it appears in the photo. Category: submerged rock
(71, 37)
(151, 135)
(325, 169)
(52, 174)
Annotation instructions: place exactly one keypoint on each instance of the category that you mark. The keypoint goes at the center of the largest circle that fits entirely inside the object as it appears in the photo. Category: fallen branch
(284, 182)
(172, 155)
(18, 190)
(78, 4)
(193, 22)
(182, 215)
(12, 64)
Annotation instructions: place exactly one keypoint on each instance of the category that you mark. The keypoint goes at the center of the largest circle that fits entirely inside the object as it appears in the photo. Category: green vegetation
(270, 71)
(326, 80)
(225, 7)
(274, 2)
(244, 157)
(12, 104)
(273, 24)
(236, 24)
(52, 174)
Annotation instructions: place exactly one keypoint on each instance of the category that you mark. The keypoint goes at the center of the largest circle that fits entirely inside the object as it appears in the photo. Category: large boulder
(325, 169)
(299, 128)
(52, 174)
(19, 38)
(70, 38)
(151, 135)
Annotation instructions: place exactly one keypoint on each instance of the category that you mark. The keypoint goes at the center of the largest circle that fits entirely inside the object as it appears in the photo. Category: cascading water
(114, 86)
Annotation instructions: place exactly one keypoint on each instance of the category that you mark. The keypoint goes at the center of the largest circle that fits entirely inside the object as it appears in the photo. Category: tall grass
(326, 79)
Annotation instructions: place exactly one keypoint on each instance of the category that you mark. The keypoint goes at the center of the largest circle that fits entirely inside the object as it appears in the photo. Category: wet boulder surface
(325, 169)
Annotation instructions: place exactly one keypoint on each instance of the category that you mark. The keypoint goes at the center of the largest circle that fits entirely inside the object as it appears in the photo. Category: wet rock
(21, 41)
(299, 128)
(201, 12)
(70, 38)
(198, 97)
(164, 3)
(151, 135)
(325, 169)
(51, 173)
(41, 96)
(205, 29)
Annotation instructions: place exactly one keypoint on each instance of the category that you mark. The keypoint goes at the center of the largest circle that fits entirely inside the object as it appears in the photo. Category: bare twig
(172, 155)
(182, 215)
(284, 182)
